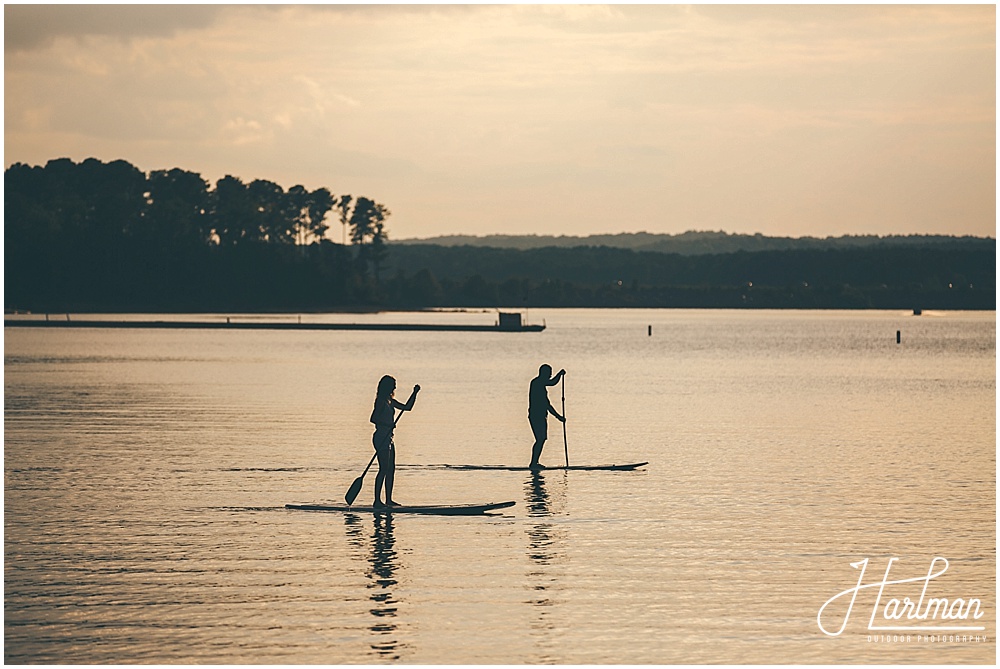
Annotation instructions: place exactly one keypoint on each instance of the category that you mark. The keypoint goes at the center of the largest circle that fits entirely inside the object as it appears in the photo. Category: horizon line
(693, 231)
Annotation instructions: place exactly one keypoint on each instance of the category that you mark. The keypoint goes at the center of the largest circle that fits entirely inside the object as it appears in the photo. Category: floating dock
(258, 325)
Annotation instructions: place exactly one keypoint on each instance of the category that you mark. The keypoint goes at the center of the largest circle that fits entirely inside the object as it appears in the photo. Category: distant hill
(701, 242)
(928, 275)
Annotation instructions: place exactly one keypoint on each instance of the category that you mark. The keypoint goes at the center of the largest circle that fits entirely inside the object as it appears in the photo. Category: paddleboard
(439, 510)
(511, 468)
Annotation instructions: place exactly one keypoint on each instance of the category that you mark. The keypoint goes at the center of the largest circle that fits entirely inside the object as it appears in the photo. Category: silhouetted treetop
(116, 200)
(95, 233)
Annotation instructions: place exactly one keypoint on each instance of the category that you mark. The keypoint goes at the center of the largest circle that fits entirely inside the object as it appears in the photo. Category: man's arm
(409, 403)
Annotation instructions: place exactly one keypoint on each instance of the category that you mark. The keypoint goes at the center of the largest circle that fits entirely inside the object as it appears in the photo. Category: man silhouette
(539, 408)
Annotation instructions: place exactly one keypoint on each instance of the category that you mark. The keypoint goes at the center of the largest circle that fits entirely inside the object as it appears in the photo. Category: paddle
(565, 443)
(352, 492)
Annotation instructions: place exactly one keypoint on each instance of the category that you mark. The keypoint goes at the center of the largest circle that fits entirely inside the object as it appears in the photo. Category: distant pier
(504, 325)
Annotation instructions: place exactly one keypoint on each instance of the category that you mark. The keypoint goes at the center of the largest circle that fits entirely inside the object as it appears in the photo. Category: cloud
(28, 27)
(242, 131)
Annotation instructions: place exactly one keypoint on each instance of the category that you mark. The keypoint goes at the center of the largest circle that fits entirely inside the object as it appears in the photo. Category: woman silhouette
(383, 417)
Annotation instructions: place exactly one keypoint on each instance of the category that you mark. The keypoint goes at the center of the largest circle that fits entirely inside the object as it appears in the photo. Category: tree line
(96, 236)
(890, 277)
(700, 242)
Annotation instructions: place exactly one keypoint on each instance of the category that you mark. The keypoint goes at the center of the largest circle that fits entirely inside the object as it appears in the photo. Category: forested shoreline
(696, 242)
(96, 236)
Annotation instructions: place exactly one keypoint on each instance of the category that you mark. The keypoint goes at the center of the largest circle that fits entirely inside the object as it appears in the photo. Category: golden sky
(549, 119)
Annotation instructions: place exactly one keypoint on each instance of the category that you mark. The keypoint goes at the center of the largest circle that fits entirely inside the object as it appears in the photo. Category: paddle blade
(352, 492)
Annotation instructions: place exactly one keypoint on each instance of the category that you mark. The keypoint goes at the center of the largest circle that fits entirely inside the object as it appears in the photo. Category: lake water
(146, 473)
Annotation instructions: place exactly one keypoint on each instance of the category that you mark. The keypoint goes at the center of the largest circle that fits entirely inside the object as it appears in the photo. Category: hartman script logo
(902, 613)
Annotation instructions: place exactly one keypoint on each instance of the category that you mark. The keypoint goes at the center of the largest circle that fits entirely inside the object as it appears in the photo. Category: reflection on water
(546, 546)
(383, 565)
(354, 530)
(538, 502)
(383, 561)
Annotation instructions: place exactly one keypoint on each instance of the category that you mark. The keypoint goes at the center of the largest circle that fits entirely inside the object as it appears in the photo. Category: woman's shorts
(382, 441)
